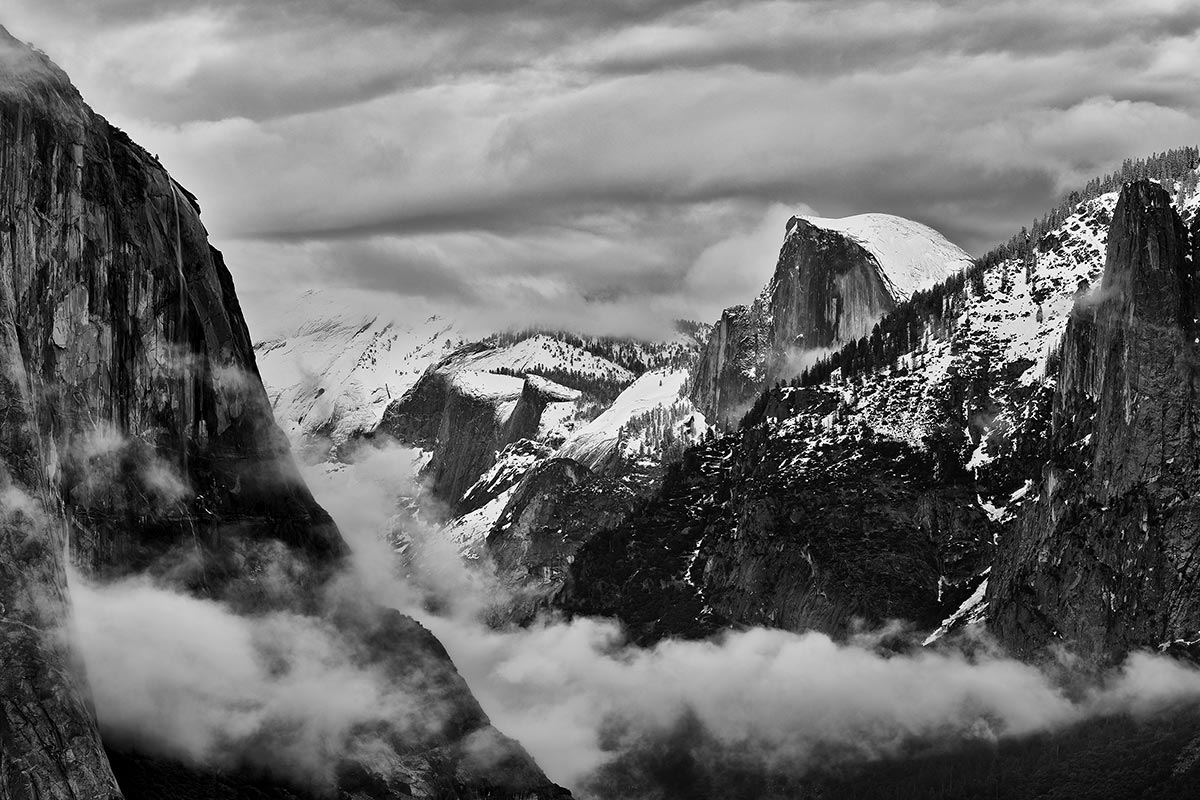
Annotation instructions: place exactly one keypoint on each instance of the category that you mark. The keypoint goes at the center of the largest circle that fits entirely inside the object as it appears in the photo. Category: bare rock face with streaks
(732, 369)
(834, 280)
(1105, 558)
(554, 511)
(136, 427)
(466, 417)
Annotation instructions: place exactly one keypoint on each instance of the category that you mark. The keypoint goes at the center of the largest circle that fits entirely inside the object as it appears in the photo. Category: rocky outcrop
(1103, 555)
(49, 743)
(473, 429)
(513, 463)
(466, 417)
(833, 281)
(827, 289)
(556, 508)
(136, 427)
(790, 524)
(732, 369)
(416, 416)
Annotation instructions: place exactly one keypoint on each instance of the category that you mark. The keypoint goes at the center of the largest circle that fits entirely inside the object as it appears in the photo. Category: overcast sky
(612, 161)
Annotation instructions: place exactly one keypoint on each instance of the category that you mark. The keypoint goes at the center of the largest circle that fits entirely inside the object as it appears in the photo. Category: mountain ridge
(970, 386)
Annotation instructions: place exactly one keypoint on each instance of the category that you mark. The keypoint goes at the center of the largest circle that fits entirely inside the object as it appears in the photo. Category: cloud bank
(192, 679)
(186, 678)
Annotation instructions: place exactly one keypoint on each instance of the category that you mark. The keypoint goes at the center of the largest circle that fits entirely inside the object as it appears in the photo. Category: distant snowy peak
(334, 360)
(833, 281)
(911, 256)
(333, 364)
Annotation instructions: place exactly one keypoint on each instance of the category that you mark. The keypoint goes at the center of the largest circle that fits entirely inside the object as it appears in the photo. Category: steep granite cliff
(732, 369)
(556, 508)
(833, 281)
(466, 417)
(136, 427)
(1103, 553)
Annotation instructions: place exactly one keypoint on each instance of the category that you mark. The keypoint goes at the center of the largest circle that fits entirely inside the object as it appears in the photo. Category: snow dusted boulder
(834, 280)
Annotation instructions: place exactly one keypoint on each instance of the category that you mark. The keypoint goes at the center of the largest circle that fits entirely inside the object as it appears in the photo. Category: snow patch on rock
(595, 443)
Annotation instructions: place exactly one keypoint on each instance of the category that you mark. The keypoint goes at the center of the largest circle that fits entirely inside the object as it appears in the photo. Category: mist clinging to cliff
(197, 681)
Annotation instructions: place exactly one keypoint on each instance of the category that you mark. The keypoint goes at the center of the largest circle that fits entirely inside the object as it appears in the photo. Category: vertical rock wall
(1104, 557)
(826, 290)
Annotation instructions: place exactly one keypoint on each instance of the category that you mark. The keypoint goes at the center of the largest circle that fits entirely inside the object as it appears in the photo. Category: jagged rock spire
(1103, 558)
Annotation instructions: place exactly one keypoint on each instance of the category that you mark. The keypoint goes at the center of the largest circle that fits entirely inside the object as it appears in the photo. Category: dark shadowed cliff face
(792, 524)
(467, 417)
(827, 289)
(133, 424)
(476, 426)
(126, 344)
(48, 738)
(556, 508)
(1104, 557)
(732, 369)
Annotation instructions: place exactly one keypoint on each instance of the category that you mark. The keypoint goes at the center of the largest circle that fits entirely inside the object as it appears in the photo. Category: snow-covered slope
(912, 256)
(468, 532)
(487, 385)
(331, 366)
(1013, 325)
(543, 353)
(333, 361)
(640, 416)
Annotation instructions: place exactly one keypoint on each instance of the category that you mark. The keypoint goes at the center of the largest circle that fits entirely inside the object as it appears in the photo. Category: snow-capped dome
(912, 256)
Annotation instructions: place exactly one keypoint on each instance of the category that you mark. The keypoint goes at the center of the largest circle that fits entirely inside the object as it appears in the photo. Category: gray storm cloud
(497, 157)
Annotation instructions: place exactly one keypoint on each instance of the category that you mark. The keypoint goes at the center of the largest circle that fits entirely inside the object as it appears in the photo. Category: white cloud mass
(190, 678)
